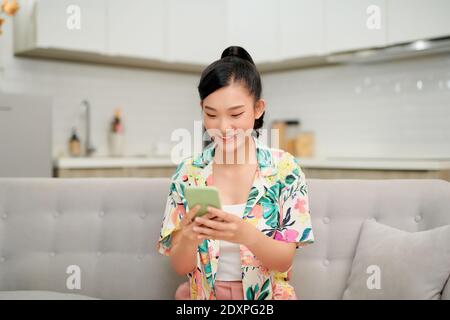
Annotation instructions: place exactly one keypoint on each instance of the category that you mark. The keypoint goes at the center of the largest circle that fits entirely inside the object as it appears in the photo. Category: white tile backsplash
(390, 109)
(355, 110)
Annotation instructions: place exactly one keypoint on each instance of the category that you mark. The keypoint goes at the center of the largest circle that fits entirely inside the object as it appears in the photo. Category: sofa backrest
(109, 227)
(338, 209)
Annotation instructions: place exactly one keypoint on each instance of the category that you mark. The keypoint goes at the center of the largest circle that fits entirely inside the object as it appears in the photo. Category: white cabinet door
(196, 30)
(78, 25)
(136, 28)
(354, 24)
(255, 25)
(411, 20)
(302, 28)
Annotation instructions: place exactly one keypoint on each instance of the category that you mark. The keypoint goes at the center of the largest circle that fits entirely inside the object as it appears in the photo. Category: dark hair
(236, 65)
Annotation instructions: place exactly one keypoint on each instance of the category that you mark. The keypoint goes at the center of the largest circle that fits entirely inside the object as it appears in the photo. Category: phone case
(205, 196)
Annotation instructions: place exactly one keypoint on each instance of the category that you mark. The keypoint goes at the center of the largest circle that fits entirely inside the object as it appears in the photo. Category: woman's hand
(220, 225)
(187, 224)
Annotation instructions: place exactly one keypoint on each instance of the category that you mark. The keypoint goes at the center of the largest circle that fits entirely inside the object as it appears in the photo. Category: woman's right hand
(187, 233)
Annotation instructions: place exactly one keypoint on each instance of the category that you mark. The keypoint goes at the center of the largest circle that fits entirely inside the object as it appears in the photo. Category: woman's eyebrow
(230, 108)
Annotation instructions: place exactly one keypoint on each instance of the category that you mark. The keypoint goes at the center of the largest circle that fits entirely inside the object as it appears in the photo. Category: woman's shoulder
(285, 162)
(287, 167)
(185, 169)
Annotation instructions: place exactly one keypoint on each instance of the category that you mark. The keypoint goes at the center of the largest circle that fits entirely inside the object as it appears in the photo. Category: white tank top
(229, 266)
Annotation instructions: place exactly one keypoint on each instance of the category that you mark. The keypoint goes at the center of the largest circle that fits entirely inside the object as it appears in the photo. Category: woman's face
(229, 115)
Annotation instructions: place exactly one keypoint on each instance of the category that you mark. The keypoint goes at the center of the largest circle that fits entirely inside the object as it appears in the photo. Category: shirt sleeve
(173, 214)
(295, 219)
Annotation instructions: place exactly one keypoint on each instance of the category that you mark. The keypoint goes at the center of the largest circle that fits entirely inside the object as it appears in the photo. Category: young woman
(244, 250)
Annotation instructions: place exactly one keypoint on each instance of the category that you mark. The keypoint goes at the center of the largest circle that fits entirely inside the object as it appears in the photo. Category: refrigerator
(25, 135)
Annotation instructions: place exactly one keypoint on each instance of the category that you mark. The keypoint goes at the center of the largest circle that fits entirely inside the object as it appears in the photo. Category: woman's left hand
(227, 227)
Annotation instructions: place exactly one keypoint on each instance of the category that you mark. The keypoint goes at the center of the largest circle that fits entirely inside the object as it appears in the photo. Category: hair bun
(236, 51)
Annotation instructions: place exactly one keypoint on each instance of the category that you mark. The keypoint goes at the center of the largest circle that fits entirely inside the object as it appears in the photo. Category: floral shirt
(277, 205)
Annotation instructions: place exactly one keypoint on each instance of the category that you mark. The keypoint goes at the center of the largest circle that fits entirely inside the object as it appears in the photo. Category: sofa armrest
(446, 291)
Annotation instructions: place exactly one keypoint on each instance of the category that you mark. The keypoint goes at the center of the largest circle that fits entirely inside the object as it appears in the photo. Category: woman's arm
(273, 254)
(185, 242)
(183, 255)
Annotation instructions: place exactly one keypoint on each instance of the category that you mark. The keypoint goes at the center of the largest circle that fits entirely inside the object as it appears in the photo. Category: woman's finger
(212, 217)
(220, 214)
(217, 225)
(217, 235)
(188, 218)
(203, 230)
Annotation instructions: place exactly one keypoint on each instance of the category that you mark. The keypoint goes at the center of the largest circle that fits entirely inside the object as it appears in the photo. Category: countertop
(111, 162)
(316, 163)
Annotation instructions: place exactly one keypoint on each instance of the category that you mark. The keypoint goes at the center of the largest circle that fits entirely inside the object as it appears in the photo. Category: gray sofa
(109, 227)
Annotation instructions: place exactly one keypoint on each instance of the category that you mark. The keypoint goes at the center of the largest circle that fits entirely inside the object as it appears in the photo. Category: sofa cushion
(41, 295)
(394, 264)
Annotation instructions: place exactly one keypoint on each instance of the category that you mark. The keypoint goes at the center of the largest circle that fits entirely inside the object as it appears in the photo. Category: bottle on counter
(116, 135)
(74, 144)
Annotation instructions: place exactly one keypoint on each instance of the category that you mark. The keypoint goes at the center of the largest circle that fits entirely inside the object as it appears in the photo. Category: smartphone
(204, 196)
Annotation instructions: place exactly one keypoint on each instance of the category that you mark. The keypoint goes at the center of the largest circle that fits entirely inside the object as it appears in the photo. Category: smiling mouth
(227, 139)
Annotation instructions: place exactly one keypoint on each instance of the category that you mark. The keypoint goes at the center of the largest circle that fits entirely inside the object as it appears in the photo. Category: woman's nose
(226, 129)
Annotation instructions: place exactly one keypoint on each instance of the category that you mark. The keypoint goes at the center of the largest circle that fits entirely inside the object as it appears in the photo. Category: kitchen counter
(111, 162)
(375, 164)
(325, 163)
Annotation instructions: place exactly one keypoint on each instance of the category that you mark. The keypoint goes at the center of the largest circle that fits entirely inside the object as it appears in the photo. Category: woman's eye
(211, 115)
(237, 115)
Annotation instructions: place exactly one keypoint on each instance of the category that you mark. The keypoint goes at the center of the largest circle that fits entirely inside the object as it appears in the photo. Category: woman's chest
(234, 186)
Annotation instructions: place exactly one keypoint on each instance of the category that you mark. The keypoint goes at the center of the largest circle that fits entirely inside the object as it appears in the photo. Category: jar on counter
(291, 134)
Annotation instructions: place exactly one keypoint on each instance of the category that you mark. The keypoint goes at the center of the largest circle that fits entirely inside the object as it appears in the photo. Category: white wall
(353, 110)
(356, 111)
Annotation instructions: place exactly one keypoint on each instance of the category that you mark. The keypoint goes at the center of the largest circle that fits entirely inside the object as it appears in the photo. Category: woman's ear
(260, 107)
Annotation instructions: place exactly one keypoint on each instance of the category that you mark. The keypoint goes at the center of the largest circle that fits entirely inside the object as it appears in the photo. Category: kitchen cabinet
(137, 28)
(301, 28)
(320, 168)
(352, 24)
(78, 25)
(196, 30)
(373, 168)
(130, 172)
(411, 20)
(188, 35)
(84, 167)
(310, 173)
(254, 25)
(376, 174)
